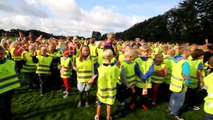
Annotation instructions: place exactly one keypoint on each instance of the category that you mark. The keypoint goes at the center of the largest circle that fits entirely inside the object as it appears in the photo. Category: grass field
(28, 105)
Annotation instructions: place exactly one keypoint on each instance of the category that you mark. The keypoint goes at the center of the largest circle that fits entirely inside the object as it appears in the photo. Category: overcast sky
(79, 17)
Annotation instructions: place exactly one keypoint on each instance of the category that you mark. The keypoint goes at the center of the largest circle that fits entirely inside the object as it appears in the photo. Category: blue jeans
(208, 116)
(176, 101)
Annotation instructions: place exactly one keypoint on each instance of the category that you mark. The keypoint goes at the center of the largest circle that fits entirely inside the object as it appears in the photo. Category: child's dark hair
(81, 57)
(197, 53)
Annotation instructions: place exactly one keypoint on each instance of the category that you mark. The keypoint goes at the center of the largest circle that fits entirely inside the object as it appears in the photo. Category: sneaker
(144, 107)
(96, 117)
(153, 103)
(79, 104)
(65, 92)
(110, 118)
(132, 106)
(41, 95)
(196, 108)
(177, 117)
(86, 104)
(66, 96)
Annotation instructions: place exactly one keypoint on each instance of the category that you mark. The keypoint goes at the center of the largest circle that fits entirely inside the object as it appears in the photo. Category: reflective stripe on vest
(193, 73)
(8, 78)
(107, 81)
(144, 67)
(65, 70)
(84, 69)
(157, 78)
(177, 80)
(43, 66)
(129, 71)
(29, 66)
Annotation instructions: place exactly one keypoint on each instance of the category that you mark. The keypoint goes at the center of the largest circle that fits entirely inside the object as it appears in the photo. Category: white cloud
(65, 17)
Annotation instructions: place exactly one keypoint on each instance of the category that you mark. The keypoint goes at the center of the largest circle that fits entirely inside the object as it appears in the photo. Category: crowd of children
(130, 73)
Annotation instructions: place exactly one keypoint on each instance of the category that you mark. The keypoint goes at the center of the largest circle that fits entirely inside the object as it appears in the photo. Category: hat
(144, 47)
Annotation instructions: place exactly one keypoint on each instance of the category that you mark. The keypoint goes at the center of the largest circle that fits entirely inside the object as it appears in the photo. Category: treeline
(191, 21)
(14, 33)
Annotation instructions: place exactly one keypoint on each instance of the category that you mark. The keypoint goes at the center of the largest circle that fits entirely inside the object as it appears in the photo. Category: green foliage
(30, 106)
(190, 22)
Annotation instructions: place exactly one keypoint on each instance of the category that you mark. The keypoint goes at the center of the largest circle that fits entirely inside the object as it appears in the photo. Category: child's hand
(24, 57)
(59, 67)
(201, 84)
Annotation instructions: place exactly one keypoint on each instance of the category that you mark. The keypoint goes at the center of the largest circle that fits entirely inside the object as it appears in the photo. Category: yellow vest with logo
(157, 78)
(177, 79)
(193, 73)
(129, 71)
(43, 65)
(208, 105)
(65, 67)
(29, 66)
(8, 77)
(84, 69)
(144, 67)
(107, 80)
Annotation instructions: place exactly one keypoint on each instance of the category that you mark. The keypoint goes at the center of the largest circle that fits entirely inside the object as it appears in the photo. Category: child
(146, 67)
(44, 68)
(107, 79)
(208, 99)
(65, 70)
(160, 71)
(196, 68)
(29, 68)
(180, 80)
(85, 70)
(128, 77)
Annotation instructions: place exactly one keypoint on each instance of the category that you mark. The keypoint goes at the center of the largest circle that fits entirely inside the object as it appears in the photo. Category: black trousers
(5, 105)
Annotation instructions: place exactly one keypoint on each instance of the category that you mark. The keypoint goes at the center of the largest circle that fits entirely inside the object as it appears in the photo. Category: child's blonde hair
(171, 53)
(107, 54)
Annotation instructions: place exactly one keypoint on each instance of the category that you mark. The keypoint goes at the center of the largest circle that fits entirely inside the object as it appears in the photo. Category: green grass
(30, 106)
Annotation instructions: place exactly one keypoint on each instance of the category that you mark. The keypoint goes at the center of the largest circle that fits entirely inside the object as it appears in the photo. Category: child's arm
(149, 72)
(162, 72)
(199, 74)
(123, 77)
(138, 72)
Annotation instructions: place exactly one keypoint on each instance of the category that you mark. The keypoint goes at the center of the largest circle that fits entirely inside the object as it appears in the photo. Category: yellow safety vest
(29, 66)
(177, 79)
(130, 72)
(84, 69)
(15, 57)
(100, 52)
(8, 77)
(169, 64)
(65, 67)
(144, 67)
(107, 80)
(157, 78)
(193, 73)
(43, 65)
(208, 105)
(93, 52)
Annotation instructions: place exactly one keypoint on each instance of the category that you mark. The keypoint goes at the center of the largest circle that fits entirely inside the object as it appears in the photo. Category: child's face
(85, 51)
(43, 51)
(158, 62)
(145, 53)
(31, 49)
